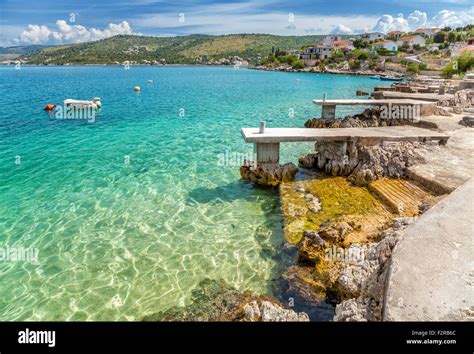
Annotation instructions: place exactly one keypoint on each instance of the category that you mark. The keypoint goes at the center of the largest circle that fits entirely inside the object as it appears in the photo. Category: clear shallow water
(119, 241)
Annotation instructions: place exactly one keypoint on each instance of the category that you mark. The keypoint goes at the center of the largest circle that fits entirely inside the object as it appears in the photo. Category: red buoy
(49, 107)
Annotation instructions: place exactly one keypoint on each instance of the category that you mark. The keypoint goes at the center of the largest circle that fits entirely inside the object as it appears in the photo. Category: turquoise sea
(130, 212)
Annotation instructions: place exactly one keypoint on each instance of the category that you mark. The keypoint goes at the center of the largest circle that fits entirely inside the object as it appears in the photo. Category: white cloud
(452, 19)
(387, 23)
(341, 29)
(418, 19)
(66, 33)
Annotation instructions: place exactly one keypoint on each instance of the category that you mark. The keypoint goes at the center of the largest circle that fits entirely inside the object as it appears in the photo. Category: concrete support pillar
(328, 111)
(267, 152)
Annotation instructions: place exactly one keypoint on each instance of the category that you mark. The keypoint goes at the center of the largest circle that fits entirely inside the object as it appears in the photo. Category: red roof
(407, 38)
(393, 33)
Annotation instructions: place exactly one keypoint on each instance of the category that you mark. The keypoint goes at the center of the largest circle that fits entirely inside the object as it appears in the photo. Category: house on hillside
(311, 54)
(458, 51)
(328, 41)
(385, 44)
(430, 32)
(294, 52)
(395, 34)
(344, 45)
(372, 36)
(411, 40)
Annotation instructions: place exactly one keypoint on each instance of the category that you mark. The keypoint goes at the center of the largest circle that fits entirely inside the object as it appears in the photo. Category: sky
(72, 21)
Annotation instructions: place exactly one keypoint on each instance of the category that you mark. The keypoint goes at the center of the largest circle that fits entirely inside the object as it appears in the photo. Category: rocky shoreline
(345, 209)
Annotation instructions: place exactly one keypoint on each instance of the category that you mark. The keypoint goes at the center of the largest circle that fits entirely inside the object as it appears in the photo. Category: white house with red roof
(395, 34)
(385, 44)
(430, 32)
(411, 40)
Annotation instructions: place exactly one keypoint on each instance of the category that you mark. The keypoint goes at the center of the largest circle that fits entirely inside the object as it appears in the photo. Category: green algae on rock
(339, 200)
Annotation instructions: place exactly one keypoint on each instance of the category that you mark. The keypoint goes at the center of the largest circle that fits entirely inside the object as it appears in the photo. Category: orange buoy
(137, 88)
(49, 107)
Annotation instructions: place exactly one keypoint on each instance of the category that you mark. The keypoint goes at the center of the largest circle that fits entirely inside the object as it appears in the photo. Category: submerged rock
(215, 300)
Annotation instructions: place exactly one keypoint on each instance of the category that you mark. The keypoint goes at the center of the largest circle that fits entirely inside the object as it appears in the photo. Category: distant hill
(175, 50)
(9, 53)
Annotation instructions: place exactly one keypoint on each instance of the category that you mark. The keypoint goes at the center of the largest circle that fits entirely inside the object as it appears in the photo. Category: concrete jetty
(431, 97)
(268, 143)
(329, 106)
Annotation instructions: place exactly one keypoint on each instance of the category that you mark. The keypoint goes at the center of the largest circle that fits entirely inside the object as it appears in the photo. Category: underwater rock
(215, 300)
(270, 174)
(301, 282)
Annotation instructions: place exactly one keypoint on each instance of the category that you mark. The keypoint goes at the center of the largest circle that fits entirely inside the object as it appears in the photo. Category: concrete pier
(267, 144)
(329, 106)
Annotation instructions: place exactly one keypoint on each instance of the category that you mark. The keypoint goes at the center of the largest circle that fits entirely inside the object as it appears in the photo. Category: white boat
(94, 103)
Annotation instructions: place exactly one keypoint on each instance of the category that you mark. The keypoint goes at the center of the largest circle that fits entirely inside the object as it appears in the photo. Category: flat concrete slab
(431, 276)
(368, 102)
(395, 133)
(446, 168)
(432, 97)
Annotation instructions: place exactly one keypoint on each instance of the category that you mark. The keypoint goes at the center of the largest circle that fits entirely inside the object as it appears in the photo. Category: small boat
(150, 81)
(375, 77)
(94, 103)
(391, 78)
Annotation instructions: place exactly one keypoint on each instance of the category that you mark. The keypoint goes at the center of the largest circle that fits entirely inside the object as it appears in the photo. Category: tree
(359, 43)
(451, 37)
(439, 37)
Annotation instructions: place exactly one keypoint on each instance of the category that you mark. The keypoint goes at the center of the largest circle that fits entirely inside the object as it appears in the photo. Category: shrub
(298, 64)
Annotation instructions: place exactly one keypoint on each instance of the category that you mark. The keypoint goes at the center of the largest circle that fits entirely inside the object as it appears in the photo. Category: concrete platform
(431, 97)
(395, 133)
(450, 166)
(431, 276)
(368, 102)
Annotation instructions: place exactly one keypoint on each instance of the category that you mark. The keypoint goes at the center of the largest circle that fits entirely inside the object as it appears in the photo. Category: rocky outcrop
(266, 311)
(362, 162)
(461, 99)
(371, 117)
(362, 279)
(268, 174)
(214, 300)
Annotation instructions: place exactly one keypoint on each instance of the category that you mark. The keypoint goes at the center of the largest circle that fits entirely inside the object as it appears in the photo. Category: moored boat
(94, 103)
